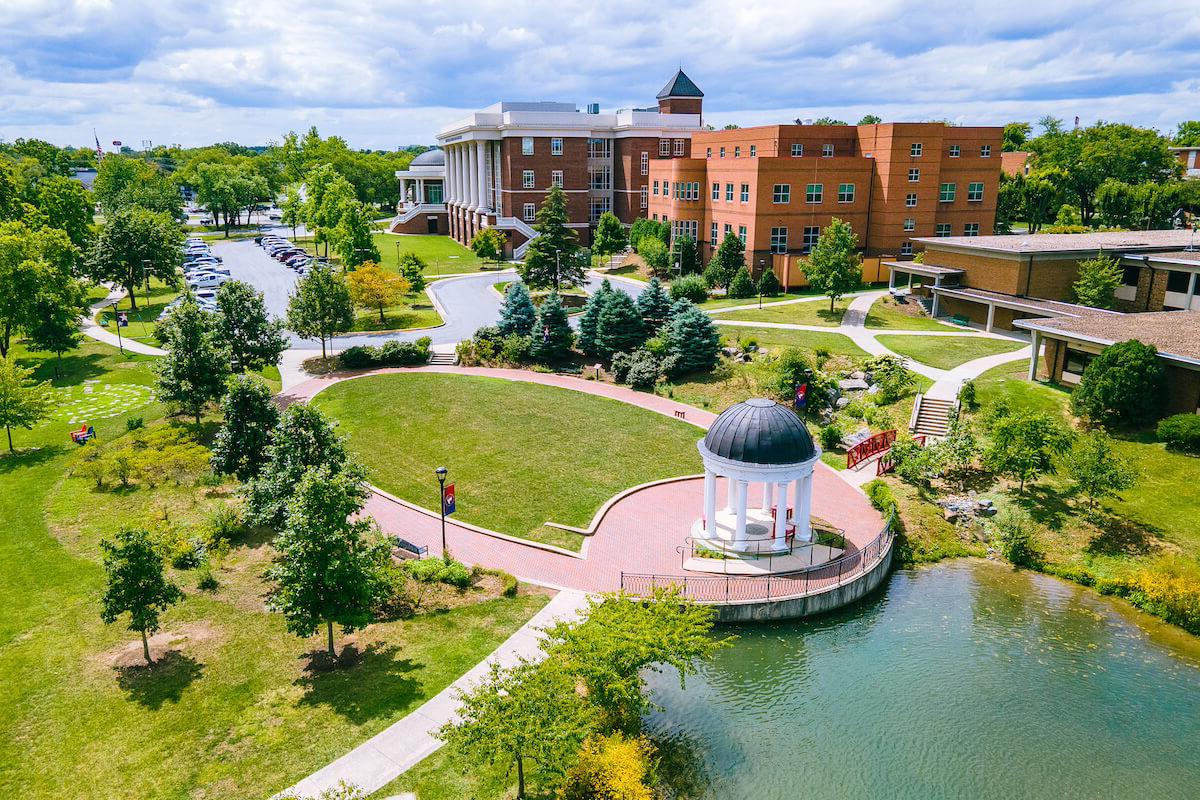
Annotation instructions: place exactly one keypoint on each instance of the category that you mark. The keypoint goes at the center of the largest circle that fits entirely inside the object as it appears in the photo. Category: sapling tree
(1024, 446)
(1096, 470)
(834, 268)
(136, 584)
(23, 401)
(321, 306)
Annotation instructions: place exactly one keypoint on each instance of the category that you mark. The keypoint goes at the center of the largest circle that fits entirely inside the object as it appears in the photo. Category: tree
(1096, 469)
(619, 327)
(1041, 199)
(488, 244)
(527, 712)
(685, 254)
(1122, 385)
(741, 285)
(552, 335)
(833, 268)
(352, 237)
(1099, 279)
(1187, 134)
(828, 121)
(730, 257)
(412, 269)
(249, 418)
(1015, 135)
(958, 450)
(517, 314)
(550, 258)
(193, 371)
(641, 227)
(692, 339)
(1024, 446)
(327, 193)
(590, 319)
(37, 265)
(246, 330)
(768, 284)
(610, 237)
(893, 377)
(654, 253)
(654, 306)
(1116, 202)
(870, 119)
(23, 402)
(291, 210)
(305, 438)
(373, 287)
(320, 306)
(134, 244)
(136, 584)
(68, 207)
(53, 323)
(1008, 202)
(328, 569)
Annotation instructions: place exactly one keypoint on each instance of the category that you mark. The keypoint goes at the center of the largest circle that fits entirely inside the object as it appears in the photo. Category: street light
(556, 254)
(397, 255)
(117, 322)
(441, 476)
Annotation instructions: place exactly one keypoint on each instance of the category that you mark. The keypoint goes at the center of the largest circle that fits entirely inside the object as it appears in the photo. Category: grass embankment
(520, 454)
(814, 312)
(886, 313)
(441, 254)
(141, 321)
(414, 311)
(236, 708)
(947, 352)
(778, 338)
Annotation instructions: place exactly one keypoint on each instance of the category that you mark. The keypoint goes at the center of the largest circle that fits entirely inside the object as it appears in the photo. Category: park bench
(82, 435)
(959, 319)
(408, 549)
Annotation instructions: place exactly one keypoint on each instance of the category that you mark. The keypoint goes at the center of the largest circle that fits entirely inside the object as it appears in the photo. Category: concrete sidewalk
(93, 331)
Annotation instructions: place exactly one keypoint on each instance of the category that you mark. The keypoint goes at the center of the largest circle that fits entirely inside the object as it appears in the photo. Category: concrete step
(445, 359)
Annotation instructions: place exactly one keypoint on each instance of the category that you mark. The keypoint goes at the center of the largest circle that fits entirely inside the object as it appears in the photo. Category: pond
(964, 679)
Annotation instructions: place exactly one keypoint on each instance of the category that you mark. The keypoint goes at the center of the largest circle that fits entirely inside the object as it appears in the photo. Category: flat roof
(1064, 242)
(1189, 258)
(1036, 304)
(1175, 334)
(921, 268)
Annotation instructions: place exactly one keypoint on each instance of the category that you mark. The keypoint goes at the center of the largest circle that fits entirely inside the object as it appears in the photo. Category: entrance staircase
(614, 261)
(932, 416)
(925, 303)
(447, 359)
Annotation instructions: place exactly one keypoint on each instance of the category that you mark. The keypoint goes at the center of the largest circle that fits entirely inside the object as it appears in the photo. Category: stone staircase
(446, 359)
(614, 261)
(925, 302)
(932, 416)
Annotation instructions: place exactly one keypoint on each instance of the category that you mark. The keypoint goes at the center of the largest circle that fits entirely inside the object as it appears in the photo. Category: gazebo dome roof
(430, 158)
(760, 431)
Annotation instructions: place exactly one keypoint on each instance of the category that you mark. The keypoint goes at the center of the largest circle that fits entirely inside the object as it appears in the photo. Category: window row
(556, 145)
(916, 149)
(947, 192)
(529, 179)
(680, 190)
(946, 229)
(667, 146)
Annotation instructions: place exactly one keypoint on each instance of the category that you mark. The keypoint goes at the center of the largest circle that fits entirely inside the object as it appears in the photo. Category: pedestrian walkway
(90, 329)
(390, 753)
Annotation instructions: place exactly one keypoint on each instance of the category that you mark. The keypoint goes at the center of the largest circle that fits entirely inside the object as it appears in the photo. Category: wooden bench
(959, 319)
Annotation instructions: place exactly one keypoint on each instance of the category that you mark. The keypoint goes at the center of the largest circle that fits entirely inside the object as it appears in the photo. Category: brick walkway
(639, 533)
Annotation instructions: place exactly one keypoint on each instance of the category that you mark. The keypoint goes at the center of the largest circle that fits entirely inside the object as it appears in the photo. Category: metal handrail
(797, 583)
(761, 549)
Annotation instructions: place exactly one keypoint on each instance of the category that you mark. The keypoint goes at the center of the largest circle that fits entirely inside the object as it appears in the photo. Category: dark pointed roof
(680, 86)
(760, 431)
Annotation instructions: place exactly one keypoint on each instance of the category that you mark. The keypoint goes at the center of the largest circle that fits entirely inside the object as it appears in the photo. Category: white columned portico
(481, 154)
(472, 178)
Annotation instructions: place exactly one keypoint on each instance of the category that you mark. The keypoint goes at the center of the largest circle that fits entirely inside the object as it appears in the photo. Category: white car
(206, 281)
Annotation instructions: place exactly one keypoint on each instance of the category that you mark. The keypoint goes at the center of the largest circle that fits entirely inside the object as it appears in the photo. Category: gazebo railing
(742, 588)
(824, 534)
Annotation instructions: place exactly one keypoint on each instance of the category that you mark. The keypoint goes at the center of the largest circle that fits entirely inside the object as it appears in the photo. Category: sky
(383, 74)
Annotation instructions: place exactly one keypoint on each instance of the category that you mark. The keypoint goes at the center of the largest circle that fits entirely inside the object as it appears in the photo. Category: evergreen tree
(654, 304)
(321, 306)
(692, 339)
(619, 328)
(610, 236)
(136, 584)
(686, 255)
(725, 264)
(253, 339)
(517, 315)
(768, 284)
(552, 336)
(833, 267)
(741, 285)
(550, 259)
(250, 416)
(590, 319)
(192, 373)
(1098, 281)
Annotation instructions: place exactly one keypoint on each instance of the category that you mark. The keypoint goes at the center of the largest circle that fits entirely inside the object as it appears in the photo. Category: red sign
(448, 499)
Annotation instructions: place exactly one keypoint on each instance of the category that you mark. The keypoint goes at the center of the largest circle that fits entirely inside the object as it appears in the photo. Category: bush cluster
(881, 496)
(148, 456)
(439, 570)
(390, 354)
(491, 347)
(1181, 432)
(689, 287)
(642, 368)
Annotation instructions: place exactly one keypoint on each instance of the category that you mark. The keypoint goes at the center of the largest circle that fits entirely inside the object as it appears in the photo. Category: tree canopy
(833, 267)
(136, 583)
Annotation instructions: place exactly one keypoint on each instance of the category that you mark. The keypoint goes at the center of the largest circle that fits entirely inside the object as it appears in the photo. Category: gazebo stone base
(777, 564)
(760, 538)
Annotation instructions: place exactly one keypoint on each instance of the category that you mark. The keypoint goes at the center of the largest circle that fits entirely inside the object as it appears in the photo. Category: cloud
(384, 73)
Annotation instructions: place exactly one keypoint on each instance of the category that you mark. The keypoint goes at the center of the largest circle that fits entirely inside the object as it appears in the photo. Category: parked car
(205, 281)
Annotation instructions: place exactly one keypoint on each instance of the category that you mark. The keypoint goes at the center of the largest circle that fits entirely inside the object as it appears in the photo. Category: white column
(472, 178)
(460, 176)
(710, 501)
(1036, 341)
(481, 154)
(781, 515)
(451, 174)
(739, 531)
(804, 507)
(891, 278)
(910, 281)
(991, 316)
(768, 494)
(403, 192)
(731, 495)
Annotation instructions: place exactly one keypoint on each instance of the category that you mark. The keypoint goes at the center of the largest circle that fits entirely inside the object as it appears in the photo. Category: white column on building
(1036, 341)
(710, 501)
(481, 154)
(990, 317)
(781, 515)
(891, 278)
(937, 281)
(420, 198)
(460, 171)
(768, 495)
(739, 531)
(472, 178)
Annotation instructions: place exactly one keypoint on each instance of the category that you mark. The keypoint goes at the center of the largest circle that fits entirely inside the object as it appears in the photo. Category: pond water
(965, 679)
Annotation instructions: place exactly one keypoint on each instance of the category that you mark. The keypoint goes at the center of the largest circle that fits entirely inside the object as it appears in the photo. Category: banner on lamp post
(801, 396)
(448, 499)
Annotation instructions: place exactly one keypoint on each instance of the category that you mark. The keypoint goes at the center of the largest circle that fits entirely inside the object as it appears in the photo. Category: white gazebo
(763, 444)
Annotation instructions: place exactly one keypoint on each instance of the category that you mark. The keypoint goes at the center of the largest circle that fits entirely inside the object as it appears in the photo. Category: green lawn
(774, 338)
(415, 311)
(237, 710)
(141, 321)
(887, 313)
(815, 312)
(947, 352)
(441, 254)
(1009, 381)
(520, 454)
(715, 303)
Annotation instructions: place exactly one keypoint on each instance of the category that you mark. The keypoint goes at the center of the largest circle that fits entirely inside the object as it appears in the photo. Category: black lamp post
(117, 322)
(441, 476)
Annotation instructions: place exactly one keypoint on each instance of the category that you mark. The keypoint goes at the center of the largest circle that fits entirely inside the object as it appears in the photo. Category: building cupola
(680, 96)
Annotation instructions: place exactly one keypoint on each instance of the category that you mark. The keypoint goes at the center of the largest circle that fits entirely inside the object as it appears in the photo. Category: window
(797, 149)
(655, 192)
(527, 179)
(556, 146)
(985, 151)
(1177, 281)
(692, 190)
(529, 212)
(975, 191)
(846, 193)
(742, 234)
(645, 163)
(813, 192)
(708, 152)
(556, 177)
(713, 235)
(600, 148)
(910, 200)
(753, 150)
(526, 145)
(914, 175)
(782, 193)
(942, 229)
(914, 149)
(598, 206)
(955, 150)
(664, 147)
(826, 150)
(906, 249)
(910, 224)
(737, 151)
(600, 178)
(745, 193)
(811, 234)
(971, 229)
(1130, 275)
(680, 145)
(778, 240)
(645, 197)
(722, 152)
(1077, 361)
(946, 192)
(728, 229)
(716, 191)
(729, 193)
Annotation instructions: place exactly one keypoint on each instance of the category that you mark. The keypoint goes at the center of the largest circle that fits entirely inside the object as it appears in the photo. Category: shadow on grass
(24, 458)
(163, 681)
(1046, 505)
(1121, 536)
(360, 685)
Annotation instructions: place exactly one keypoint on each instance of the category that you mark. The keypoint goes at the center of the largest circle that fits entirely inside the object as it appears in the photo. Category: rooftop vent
(593, 108)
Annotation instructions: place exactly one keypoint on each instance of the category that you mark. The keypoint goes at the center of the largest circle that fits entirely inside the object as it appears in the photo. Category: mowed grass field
(441, 254)
(520, 454)
(810, 312)
(779, 338)
(947, 352)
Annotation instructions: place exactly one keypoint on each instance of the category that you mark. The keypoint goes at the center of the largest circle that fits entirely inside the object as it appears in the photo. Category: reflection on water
(960, 680)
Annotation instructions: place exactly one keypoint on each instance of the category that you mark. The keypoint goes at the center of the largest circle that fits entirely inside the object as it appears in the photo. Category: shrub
(619, 368)
(742, 285)
(225, 525)
(134, 423)
(966, 394)
(439, 570)
(612, 767)
(1121, 385)
(644, 371)
(831, 436)
(689, 287)
(515, 348)
(359, 357)
(1181, 432)
(205, 580)
(1015, 535)
(509, 584)
(768, 284)
(881, 495)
